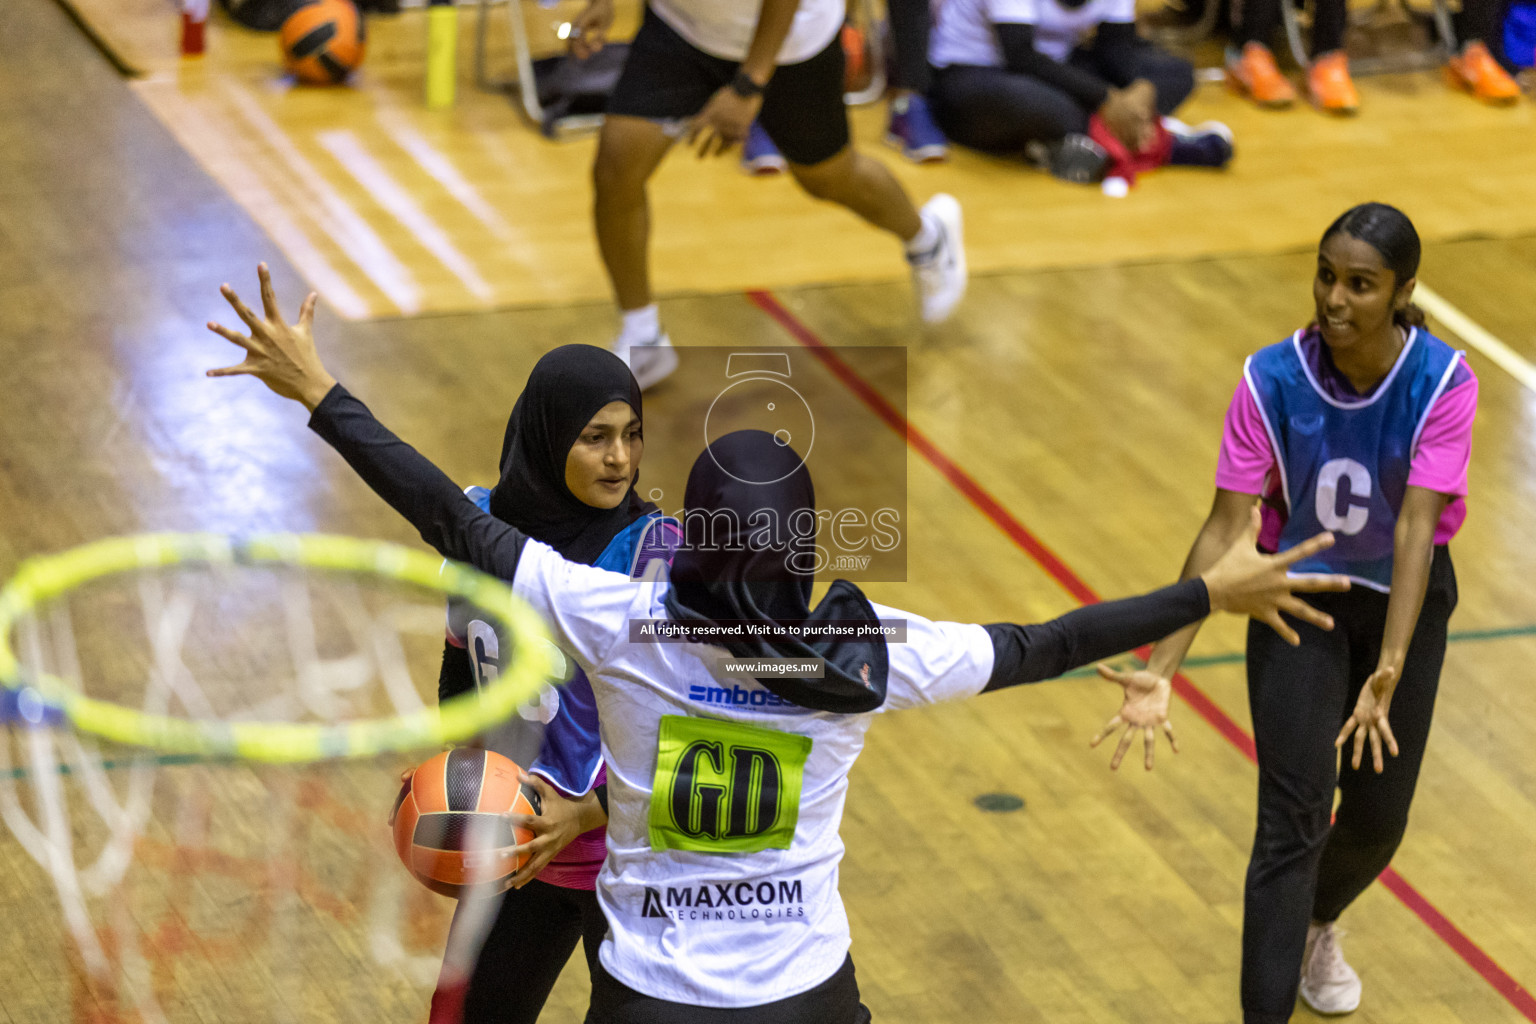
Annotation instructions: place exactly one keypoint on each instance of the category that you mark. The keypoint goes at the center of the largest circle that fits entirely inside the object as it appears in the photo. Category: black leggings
(910, 24)
(533, 935)
(997, 111)
(1302, 869)
(834, 1001)
(1258, 20)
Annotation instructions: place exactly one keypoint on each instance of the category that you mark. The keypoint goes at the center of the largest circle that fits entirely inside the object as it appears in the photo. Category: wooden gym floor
(1071, 408)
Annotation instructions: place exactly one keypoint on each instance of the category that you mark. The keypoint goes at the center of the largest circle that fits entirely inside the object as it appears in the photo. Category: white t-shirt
(962, 29)
(723, 28)
(699, 760)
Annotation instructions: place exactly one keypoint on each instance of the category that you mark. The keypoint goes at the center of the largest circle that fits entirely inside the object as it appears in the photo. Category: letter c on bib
(1357, 489)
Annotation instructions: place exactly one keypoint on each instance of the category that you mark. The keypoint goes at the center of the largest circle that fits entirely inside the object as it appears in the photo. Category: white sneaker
(650, 361)
(1328, 984)
(939, 274)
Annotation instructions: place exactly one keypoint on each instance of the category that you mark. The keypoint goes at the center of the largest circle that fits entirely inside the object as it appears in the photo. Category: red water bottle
(194, 19)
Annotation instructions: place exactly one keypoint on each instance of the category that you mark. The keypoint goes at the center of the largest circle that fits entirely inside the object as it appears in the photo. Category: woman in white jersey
(726, 790)
(1053, 79)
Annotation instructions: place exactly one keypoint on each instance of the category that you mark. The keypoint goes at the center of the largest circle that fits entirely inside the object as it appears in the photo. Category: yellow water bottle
(442, 52)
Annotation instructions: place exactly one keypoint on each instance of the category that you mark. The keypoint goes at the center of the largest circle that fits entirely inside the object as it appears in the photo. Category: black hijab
(747, 555)
(565, 390)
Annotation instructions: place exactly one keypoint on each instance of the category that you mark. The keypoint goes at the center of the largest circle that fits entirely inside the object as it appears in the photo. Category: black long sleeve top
(456, 527)
(1113, 51)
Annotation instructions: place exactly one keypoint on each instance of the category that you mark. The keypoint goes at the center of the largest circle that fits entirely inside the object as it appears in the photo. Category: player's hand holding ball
(559, 821)
(280, 355)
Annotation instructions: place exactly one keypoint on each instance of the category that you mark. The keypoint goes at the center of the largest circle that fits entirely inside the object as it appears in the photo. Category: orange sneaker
(1254, 72)
(1329, 84)
(1476, 71)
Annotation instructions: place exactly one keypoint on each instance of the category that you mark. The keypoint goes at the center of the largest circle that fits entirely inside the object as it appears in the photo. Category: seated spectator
(1039, 77)
(1251, 66)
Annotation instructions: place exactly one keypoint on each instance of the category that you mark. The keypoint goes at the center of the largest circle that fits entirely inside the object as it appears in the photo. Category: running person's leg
(664, 82)
(1298, 698)
(1373, 809)
(628, 153)
(803, 112)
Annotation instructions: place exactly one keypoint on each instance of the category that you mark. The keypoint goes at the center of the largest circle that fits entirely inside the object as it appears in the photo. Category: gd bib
(724, 787)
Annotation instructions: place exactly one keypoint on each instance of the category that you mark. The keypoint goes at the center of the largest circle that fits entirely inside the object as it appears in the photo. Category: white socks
(641, 326)
(926, 238)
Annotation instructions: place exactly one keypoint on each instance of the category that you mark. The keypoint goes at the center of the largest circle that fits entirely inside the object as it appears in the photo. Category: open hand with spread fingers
(1248, 582)
(1144, 711)
(280, 355)
(1369, 719)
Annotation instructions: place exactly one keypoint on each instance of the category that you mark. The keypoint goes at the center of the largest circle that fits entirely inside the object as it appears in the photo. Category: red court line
(1204, 706)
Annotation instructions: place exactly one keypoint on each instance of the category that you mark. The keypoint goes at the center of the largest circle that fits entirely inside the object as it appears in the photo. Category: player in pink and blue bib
(568, 466)
(1361, 425)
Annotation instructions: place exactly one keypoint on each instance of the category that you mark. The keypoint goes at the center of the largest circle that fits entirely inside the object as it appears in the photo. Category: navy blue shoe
(759, 156)
(913, 131)
(1205, 145)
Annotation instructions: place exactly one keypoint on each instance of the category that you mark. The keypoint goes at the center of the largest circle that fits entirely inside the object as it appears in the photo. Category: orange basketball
(322, 41)
(449, 829)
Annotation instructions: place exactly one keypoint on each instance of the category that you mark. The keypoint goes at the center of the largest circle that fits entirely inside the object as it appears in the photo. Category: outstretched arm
(1232, 525)
(283, 357)
(1242, 580)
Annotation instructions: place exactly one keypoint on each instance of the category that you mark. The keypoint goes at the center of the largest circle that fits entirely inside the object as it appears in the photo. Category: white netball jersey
(720, 885)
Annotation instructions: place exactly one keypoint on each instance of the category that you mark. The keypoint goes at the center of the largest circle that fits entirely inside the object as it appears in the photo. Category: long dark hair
(1389, 231)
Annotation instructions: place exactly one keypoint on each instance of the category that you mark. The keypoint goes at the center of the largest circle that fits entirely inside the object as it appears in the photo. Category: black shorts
(667, 78)
(834, 1001)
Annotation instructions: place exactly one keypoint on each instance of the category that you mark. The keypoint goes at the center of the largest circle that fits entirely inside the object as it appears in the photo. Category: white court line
(1475, 335)
(348, 228)
(442, 170)
(348, 150)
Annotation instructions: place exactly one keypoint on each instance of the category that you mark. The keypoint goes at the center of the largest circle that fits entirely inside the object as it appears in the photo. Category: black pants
(997, 111)
(1302, 869)
(1257, 21)
(534, 933)
(834, 1001)
(910, 25)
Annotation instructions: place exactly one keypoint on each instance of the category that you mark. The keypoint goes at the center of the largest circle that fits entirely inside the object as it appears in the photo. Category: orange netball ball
(449, 826)
(322, 42)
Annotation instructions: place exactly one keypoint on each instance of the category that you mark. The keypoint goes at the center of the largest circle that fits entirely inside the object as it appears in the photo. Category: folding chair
(524, 80)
